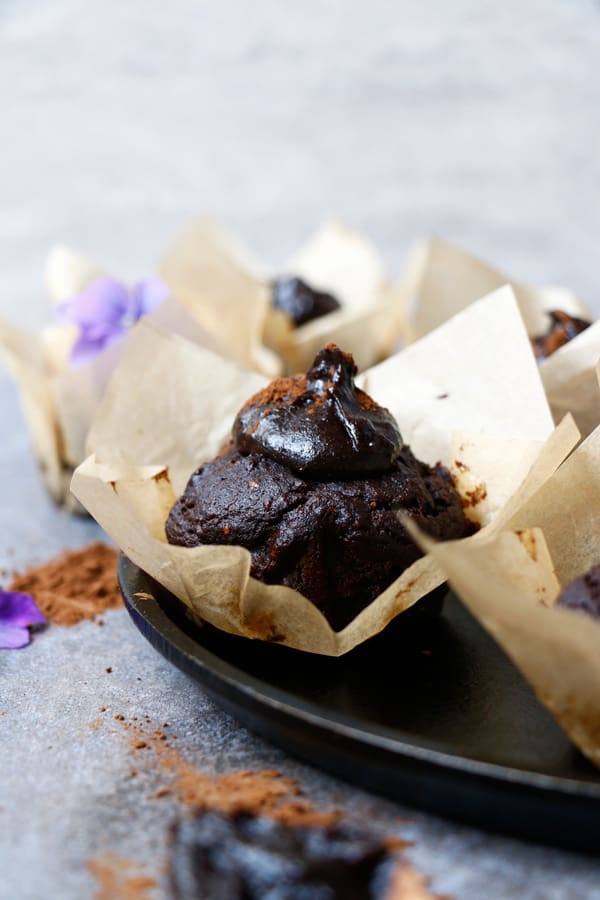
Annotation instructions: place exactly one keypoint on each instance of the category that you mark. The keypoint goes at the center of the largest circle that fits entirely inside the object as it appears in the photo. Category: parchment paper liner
(229, 293)
(59, 401)
(147, 441)
(442, 279)
(508, 587)
(223, 302)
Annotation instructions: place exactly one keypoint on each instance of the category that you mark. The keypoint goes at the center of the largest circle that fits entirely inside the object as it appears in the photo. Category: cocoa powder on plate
(78, 584)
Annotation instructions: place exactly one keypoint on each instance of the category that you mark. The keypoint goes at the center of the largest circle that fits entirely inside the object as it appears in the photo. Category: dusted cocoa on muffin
(313, 485)
(563, 328)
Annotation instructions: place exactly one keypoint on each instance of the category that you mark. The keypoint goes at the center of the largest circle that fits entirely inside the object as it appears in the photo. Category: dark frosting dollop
(562, 329)
(320, 424)
(301, 302)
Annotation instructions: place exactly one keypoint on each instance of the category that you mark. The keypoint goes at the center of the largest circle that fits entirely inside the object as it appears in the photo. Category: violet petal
(92, 341)
(102, 301)
(146, 295)
(19, 609)
(12, 637)
(17, 612)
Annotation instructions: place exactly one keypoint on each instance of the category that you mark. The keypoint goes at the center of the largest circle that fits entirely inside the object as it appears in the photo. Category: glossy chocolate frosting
(300, 302)
(562, 329)
(320, 424)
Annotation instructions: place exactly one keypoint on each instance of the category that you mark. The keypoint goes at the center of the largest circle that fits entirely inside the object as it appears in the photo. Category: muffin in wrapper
(511, 581)
(478, 407)
(215, 277)
(442, 279)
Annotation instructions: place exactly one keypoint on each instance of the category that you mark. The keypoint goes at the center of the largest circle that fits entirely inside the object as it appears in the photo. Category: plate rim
(282, 702)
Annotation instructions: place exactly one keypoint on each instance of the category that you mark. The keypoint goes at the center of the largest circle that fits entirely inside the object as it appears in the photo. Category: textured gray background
(476, 120)
(119, 121)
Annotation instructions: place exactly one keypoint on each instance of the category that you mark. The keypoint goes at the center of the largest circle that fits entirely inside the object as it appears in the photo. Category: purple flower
(105, 309)
(17, 612)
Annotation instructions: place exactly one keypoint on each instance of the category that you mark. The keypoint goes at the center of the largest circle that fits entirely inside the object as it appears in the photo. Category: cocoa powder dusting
(280, 390)
(77, 585)
(266, 792)
(263, 793)
(116, 880)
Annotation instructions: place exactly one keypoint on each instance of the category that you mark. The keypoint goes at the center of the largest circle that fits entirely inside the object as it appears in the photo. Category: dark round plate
(431, 713)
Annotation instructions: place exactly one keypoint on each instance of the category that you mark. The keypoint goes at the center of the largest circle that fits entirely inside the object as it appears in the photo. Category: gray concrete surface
(474, 120)
(66, 792)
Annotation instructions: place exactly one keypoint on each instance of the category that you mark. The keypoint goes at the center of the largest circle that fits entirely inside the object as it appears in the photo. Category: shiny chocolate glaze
(563, 328)
(320, 424)
(300, 302)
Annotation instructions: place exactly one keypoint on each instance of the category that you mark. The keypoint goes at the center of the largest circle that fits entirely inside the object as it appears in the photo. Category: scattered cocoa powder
(116, 880)
(280, 390)
(266, 793)
(77, 585)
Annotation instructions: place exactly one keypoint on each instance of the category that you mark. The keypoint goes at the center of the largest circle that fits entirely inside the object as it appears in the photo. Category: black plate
(434, 716)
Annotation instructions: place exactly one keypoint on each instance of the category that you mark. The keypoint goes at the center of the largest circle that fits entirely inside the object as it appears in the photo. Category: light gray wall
(475, 120)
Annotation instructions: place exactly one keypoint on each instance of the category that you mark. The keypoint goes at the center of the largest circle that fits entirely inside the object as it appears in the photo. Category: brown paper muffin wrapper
(229, 293)
(510, 583)
(59, 401)
(442, 279)
(571, 382)
(147, 441)
(221, 300)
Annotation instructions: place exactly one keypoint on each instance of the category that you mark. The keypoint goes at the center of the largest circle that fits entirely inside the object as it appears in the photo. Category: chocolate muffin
(251, 857)
(300, 302)
(563, 328)
(313, 485)
(583, 594)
